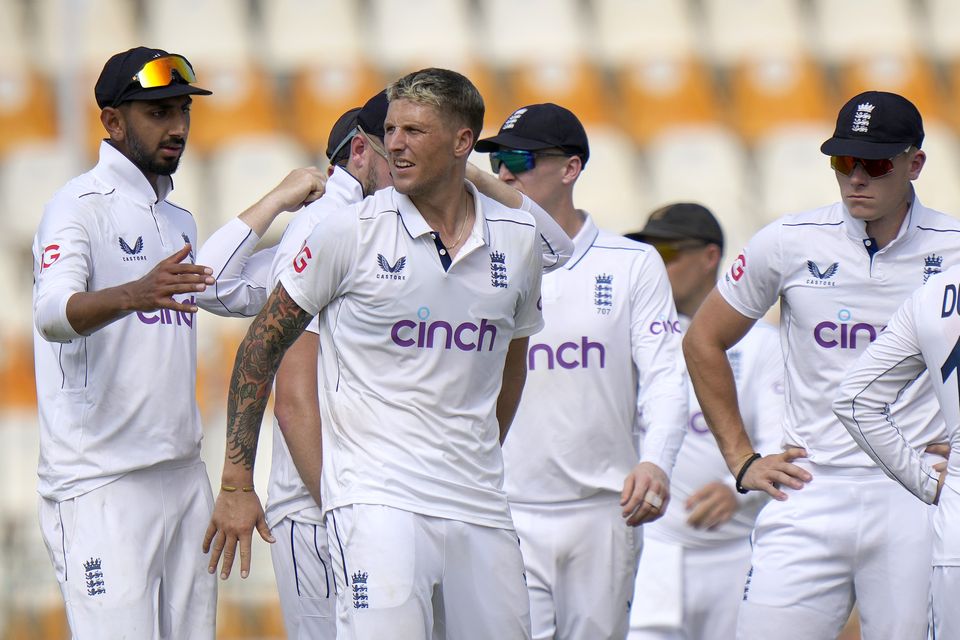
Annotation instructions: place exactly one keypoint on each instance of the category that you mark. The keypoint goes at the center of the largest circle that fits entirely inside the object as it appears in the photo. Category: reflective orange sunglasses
(159, 72)
(874, 168)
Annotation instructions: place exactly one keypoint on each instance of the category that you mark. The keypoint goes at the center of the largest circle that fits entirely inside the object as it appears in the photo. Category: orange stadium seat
(320, 95)
(953, 98)
(577, 85)
(776, 92)
(243, 103)
(27, 108)
(910, 76)
(660, 94)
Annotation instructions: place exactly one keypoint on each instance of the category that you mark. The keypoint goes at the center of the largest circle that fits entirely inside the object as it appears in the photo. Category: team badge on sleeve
(300, 261)
(51, 253)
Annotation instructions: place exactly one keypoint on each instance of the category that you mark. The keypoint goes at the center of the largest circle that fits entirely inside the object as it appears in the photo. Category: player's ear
(113, 122)
(571, 169)
(463, 143)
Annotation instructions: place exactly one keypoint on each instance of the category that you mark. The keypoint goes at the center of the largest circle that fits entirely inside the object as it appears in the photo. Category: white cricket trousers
(406, 576)
(128, 556)
(581, 561)
(301, 564)
(850, 534)
(706, 587)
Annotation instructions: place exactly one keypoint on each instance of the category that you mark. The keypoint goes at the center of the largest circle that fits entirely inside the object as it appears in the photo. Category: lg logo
(739, 265)
(300, 262)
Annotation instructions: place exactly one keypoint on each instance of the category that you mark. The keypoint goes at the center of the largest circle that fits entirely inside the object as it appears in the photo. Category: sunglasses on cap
(159, 72)
(518, 160)
(874, 168)
(377, 147)
(670, 251)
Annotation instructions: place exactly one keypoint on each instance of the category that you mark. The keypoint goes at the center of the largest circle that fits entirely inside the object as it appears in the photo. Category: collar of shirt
(343, 186)
(857, 229)
(116, 170)
(583, 240)
(416, 225)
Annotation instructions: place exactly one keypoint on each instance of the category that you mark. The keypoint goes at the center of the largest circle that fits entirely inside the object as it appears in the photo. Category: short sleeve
(751, 283)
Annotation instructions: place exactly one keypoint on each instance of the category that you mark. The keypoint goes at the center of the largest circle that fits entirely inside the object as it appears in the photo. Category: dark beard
(145, 162)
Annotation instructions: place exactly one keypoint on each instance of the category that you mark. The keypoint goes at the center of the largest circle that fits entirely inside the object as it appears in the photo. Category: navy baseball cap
(875, 125)
(130, 76)
(373, 113)
(681, 221)
(341, 134)
(540, 126)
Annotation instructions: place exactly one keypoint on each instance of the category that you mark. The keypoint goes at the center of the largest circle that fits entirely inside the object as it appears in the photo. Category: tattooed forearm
(279, 324)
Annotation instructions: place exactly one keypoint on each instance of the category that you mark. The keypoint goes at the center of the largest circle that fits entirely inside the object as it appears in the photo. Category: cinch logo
(133, 253)
(391, 271)
(658, 327)
(844, 335)
(698, 423)
(566, 354)
(168, 316)
(739, 266)
(51, 253)
(300, 262)
(439, 334)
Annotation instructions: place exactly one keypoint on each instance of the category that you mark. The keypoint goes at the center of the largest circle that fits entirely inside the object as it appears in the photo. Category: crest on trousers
(93, 574)
(360, 595)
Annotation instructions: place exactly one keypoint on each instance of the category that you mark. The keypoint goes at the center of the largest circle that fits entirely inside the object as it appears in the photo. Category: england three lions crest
(932, 264)
(603, 293)
(498, 270)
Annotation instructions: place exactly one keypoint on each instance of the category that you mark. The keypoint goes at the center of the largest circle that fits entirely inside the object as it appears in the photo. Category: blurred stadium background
(724, 102)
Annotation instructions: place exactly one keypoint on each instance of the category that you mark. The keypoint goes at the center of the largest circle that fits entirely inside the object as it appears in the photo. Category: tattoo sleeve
(280, 323)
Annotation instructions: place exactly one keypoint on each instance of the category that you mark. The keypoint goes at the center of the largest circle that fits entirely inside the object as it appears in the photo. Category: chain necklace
(463, 225)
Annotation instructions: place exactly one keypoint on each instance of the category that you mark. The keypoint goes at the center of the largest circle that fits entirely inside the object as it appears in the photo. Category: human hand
(235, 515)
(769, 472)
(712, 505)
(645, 495)
(171, 276)
(941, 468)
(300, 187)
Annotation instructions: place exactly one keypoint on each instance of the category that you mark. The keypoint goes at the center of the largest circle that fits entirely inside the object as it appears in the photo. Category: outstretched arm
(242, 275)
(238, 510)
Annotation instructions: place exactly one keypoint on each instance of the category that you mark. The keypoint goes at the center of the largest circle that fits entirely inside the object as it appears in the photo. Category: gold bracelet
(229, 489)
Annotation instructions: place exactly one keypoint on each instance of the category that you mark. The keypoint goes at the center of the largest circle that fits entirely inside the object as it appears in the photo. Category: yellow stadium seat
(27, 108)
(577, 85)
(909, 75)
(660, 94)
(769, 94)
(320, 95)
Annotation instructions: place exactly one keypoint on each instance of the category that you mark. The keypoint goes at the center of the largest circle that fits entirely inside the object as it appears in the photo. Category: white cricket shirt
(758, 372)
(412, 350)
(922, 337)
(610, 345)
(123, 398)
(837, 294)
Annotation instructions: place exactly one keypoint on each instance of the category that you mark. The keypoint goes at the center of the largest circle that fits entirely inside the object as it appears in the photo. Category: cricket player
(922, 337)
(837, 530)
(696, 557)
(124, 495)
(358, 168)
(610, 346)
(430, 290)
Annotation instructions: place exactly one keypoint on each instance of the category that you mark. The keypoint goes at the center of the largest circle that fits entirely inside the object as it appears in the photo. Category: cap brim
(862, 148)
(510, 141)
(169, 91)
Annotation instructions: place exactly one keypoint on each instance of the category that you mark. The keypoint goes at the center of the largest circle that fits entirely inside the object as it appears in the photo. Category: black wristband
(743, 471)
